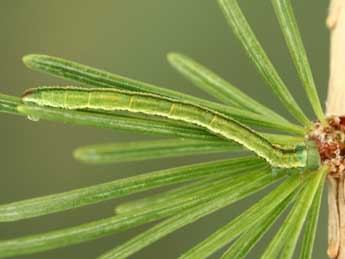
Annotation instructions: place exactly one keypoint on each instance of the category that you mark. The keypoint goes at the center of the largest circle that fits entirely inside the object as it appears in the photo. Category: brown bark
(335, 105)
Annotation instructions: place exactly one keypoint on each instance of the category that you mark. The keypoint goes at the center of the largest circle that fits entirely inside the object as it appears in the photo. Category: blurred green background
(131, 38)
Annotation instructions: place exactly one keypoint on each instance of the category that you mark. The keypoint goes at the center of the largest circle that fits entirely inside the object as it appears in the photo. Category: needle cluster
(205, 187)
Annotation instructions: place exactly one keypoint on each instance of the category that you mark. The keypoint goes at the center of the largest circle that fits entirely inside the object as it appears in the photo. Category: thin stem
(333, 218)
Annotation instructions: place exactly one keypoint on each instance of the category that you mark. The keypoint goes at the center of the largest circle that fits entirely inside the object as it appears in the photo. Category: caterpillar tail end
(30, 95)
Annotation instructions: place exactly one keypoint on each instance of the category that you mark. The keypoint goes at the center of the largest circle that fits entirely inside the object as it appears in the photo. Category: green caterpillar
(306, 156)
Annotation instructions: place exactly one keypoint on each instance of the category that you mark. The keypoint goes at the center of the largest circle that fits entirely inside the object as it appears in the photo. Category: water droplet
(33, 118)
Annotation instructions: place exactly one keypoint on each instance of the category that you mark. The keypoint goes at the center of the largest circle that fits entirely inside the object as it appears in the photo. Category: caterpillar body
(72, 98)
